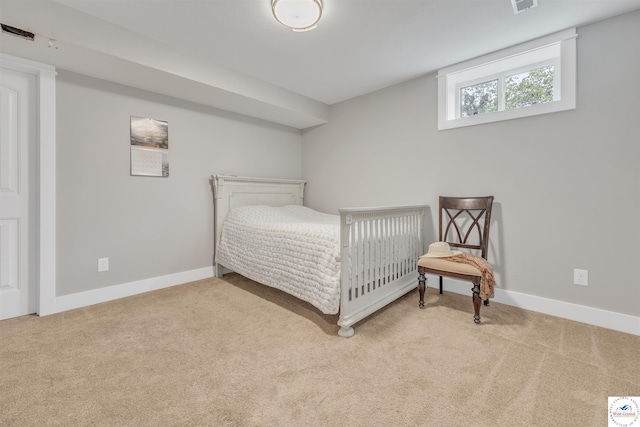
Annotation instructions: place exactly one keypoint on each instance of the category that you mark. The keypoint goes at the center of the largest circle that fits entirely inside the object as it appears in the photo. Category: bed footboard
(380, 249)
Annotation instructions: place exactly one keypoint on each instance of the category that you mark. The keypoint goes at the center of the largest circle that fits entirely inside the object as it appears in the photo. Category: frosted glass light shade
(299, 15)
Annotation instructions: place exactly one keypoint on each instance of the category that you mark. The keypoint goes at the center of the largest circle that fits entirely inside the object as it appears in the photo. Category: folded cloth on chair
(487, 283)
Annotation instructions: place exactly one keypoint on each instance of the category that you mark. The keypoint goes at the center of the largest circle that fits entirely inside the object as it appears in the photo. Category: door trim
(46, 176)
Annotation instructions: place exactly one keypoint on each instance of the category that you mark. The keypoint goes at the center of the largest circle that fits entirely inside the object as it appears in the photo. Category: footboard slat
(380, 249)
(351, 272)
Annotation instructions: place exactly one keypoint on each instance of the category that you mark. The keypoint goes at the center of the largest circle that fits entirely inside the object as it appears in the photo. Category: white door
(18, 191)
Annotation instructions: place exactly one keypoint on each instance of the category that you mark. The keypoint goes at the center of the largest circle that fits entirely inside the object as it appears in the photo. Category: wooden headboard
(234, 191)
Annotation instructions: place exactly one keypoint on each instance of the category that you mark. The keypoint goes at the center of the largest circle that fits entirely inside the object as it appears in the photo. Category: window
(534, 78)
(481, 98)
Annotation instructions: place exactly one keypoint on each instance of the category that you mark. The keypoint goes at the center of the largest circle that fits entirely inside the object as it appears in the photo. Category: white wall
(567, 185)
(147, 227)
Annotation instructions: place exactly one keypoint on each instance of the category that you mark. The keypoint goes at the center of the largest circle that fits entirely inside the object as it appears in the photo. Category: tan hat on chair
(440, 250)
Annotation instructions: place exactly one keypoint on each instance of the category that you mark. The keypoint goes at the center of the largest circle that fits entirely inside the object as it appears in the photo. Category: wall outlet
(580, 277)
(103, 264)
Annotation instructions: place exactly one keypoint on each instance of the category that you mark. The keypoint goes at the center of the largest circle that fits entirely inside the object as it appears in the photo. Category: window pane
(529, 88)
(479, 99)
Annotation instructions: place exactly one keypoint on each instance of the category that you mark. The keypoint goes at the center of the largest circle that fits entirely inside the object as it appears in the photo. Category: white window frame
(557, 49)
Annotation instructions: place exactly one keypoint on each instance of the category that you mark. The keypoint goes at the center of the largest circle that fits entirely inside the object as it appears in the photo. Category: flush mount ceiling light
(299, 15)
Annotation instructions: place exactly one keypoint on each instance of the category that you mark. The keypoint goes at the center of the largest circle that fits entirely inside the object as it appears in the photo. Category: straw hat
(440, 250)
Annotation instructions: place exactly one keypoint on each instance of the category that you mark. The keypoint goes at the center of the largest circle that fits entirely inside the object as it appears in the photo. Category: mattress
(292, 248)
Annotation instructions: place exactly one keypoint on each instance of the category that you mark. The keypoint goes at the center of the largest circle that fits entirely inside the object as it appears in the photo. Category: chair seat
(443, 264)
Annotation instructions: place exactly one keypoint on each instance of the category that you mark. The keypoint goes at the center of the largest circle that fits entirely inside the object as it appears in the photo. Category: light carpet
(230, 352)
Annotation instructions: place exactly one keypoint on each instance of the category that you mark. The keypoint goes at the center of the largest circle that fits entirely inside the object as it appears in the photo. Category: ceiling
(233, 55)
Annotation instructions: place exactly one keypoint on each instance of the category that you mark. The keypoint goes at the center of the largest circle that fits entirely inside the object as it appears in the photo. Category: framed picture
(149, 147)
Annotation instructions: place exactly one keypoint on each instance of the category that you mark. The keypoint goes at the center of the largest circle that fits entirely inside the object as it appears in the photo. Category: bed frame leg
(218, 270)
(346, 331)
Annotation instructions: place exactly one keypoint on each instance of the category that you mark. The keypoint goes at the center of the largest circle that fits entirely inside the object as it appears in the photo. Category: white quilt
(291, 248)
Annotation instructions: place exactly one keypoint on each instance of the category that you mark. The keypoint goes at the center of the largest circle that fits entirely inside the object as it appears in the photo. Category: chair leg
(422, 281)
(476, 301)
(441, 286)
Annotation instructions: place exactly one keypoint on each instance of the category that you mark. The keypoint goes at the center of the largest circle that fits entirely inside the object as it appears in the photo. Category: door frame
(45, 174)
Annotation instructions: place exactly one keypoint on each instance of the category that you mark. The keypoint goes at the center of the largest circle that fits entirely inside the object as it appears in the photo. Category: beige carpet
(231, 352)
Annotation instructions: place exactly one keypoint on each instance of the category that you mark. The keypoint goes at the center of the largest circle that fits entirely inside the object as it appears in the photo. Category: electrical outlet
(580, 277)
(103, 264)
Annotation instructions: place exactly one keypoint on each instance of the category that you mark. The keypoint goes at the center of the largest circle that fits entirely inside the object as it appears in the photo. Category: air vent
(17, 32)
(522, 5)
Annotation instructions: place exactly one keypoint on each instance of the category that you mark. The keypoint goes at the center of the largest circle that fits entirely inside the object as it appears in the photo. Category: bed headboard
(234, 191)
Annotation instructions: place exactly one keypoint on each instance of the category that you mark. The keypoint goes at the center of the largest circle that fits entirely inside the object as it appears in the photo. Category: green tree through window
(479, 99)
(520, 90)
(529, 88)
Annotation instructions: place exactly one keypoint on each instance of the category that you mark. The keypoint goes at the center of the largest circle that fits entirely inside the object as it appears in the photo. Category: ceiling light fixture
(299, 15)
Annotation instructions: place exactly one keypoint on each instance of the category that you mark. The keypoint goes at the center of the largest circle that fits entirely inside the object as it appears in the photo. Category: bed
(353, 263)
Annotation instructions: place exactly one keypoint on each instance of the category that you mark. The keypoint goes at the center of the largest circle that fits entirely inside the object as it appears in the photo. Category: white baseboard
(109, 293)
(580, 313)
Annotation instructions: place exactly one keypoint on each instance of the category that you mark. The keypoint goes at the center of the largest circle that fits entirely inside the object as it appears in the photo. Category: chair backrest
(464, 222)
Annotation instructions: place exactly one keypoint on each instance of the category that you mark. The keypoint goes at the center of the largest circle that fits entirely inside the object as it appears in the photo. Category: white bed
(353, 264)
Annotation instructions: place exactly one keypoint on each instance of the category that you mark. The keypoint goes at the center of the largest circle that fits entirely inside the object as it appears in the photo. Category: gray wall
(148, 227)
(567, 185)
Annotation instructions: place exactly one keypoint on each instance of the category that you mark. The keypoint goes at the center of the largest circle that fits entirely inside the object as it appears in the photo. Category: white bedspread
(291, 248)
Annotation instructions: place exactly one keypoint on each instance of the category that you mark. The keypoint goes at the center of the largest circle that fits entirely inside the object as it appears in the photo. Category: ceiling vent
(17, 32)
(522, 5)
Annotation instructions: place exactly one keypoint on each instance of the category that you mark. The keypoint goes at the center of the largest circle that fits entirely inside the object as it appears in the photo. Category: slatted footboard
(380, 249)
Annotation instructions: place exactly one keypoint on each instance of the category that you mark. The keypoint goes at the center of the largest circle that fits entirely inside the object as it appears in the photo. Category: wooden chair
(464, 223)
